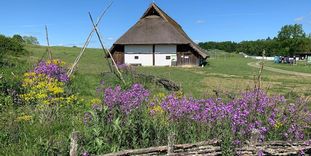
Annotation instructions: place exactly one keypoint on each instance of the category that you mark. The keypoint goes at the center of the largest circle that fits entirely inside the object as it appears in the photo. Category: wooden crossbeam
(71, 70)
(119, 74)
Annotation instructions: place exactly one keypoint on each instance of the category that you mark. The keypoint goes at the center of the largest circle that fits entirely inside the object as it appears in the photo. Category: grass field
(301, 66)
(38, 127)
(227, 73)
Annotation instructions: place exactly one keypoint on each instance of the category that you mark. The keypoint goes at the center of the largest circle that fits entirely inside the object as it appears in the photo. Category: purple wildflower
(127, 100)
(88, 117)
(85, 154)
(52, 70)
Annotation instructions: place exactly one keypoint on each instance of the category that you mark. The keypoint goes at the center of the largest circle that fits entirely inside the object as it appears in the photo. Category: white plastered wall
(164, 51)
(143, 52)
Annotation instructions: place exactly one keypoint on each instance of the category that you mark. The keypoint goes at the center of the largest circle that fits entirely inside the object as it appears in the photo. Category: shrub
(10, 47)
(46, 85)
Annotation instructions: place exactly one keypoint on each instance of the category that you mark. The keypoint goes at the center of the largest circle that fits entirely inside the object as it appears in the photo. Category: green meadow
(226, 73)
(301, 66)
(27, 129)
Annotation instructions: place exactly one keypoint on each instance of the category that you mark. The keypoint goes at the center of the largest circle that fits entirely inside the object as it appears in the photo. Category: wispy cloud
(197, 41)
(200, 21)
(110, 38)
(28, 26)
(239, 14)
(299, 19)
(32, 25)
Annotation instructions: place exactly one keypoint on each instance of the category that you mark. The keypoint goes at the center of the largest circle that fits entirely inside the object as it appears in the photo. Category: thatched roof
(156, 27)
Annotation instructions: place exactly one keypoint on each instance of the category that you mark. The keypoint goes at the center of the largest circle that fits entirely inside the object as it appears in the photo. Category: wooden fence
(212, 148)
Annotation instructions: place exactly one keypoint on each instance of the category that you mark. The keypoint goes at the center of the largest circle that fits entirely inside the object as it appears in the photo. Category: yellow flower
(29, 74)
(24, 118)
(179, 94)
(278, 125)
(55, 88)
(46, 102)
(158, 109)
(41, 96)
(95, 101)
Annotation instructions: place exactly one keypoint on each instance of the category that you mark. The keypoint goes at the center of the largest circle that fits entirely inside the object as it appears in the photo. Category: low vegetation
(40, 105)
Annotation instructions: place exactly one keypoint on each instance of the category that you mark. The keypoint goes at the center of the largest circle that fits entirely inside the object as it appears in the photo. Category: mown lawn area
(226, 73)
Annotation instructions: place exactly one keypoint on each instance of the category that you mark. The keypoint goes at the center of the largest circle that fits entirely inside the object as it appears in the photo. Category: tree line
(291, 40)
(14, 46)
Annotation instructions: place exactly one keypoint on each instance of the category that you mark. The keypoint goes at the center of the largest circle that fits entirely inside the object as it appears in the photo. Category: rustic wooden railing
(213, 148)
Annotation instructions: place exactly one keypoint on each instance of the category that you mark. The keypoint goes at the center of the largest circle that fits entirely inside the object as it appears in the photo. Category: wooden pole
(74, 144)
(171, 142)
(103, 47)
(48, 43)
(261, 69)
(70, 71)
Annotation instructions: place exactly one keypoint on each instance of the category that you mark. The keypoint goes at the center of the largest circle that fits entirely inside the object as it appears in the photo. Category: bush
(10, 47)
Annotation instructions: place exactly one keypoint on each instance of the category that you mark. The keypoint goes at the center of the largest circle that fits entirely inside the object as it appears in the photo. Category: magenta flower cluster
(253, 111)
(52, 69)
(198, 110)
(125, 100)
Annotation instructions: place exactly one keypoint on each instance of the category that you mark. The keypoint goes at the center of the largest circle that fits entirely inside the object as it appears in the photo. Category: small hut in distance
(157, 40)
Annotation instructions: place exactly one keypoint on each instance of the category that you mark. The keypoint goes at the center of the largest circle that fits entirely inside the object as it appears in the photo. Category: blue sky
(203, 20)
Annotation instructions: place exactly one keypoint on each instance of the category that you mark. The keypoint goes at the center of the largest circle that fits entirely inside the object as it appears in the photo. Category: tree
(18, 38)
(293, 39)
(291, 32)
(10, 47)
(30, 40)
(290, 40)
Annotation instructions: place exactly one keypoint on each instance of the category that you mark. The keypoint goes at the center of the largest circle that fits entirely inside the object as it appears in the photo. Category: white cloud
(110, 38)
(238, 14)
(200, 21)
(299, 19)
(197, 41)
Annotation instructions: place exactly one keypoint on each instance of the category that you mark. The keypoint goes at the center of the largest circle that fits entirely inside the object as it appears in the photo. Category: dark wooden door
(118, 57)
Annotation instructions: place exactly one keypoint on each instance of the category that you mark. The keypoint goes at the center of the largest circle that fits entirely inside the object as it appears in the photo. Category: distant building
(157, 40)
(303, 55)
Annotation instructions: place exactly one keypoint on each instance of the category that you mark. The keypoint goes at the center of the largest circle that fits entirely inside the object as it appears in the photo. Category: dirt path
(256, 65)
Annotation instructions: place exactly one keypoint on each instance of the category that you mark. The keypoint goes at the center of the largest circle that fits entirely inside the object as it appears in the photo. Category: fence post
(171, 141)
(254, 140)
(74, 143)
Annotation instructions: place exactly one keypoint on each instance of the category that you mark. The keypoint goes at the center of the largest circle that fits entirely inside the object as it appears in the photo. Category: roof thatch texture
(156, 27)
(152, 30)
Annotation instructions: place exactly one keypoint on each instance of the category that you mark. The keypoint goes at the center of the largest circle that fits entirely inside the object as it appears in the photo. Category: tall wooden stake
(47, 40)
(261, 70)
(74, 144)
(106, 51)
(70, 71)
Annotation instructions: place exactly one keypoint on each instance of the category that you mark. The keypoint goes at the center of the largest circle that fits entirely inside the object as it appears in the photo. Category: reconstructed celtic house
(157, 40)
